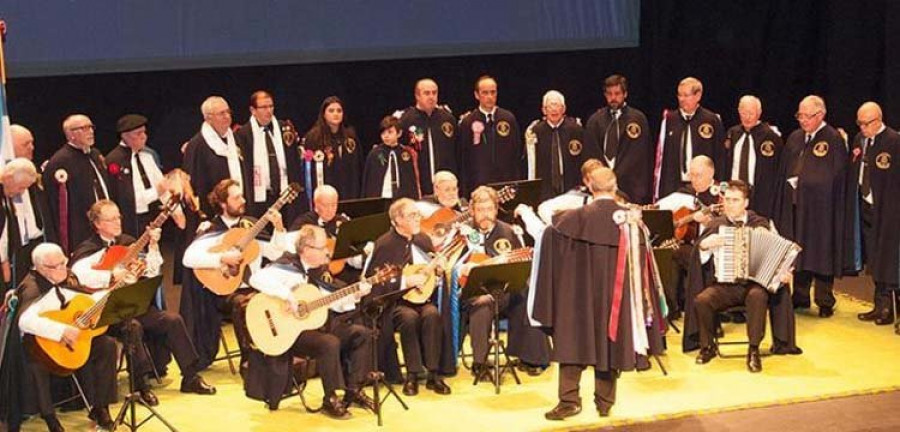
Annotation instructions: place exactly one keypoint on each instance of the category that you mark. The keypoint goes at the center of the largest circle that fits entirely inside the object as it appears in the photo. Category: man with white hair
(814, 210)
(622, 135)
(23, 141)
(213, 154)
(17, 229)
(555, 147)
(430, 129)
(754, 153)
(75, 177)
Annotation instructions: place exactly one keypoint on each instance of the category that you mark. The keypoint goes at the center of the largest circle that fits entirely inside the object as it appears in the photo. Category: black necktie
(274, 170)
(555, 171)
(865, 188)
(744, 167)
(143, 173)
(611, 149)
(493, 134)
(684, 141)
(407, 254)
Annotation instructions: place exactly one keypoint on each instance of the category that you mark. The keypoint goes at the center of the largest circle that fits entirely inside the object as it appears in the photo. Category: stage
(842, 356)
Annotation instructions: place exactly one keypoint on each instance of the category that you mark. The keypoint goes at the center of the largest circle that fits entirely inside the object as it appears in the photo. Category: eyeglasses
(82, 128)
(863, 123)
(412, 215)
(222, 113)
(59, 266)
(111, 219)
(802, 116)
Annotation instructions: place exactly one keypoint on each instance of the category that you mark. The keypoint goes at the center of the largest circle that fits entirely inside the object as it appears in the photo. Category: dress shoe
(738, 317)
(333, 407)
(196, 385)
(53, 424)
(826, 312)
(563, 411)
(411, 386)
(802, 304)
(359, 398)
(531, 370)
(871, 315)
(483, 372)
(437, 384)
(884, 318)
(272, 405)
(603, 410)
(707, 354)
(148, 397)
(754, 362)
(101, 416)
(781, 348)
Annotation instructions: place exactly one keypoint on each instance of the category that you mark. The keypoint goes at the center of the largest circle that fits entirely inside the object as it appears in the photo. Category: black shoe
(826, 312)
(884, 318)
(148, 397)
(411, 386)
(754, 362)
(802, 304)
(738, 317)
(871, 315)
(359, 398)
(482, 371)
(707, 354)
(531, 370)
(562, 411)
(603, 410)
(437, 384)
(720, 332)
(53, 424)
(780, 348)
(334, 408)
(273, 405)
(101, 416)
(197, 385)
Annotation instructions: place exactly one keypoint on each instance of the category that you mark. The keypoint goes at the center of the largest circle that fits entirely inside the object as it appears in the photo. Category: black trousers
(97, 377)
(882, 295)
(529, 344)
(356, 348)
(421, 331)
(604, 385)
(718, 297)
(824, 294)
(325, 349)
(166, 335)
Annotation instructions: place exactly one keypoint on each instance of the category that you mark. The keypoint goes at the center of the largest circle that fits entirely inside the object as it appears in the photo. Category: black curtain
(777, 50)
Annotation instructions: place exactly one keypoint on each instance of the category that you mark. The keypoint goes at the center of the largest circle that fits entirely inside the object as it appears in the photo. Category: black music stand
(660, 224)
(355, 233)
(372, 310)
(355, 208)
(527, 192)
(124, 304)
(494, 280)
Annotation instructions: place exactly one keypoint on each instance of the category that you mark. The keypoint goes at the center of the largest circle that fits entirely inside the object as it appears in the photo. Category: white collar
(493, 111)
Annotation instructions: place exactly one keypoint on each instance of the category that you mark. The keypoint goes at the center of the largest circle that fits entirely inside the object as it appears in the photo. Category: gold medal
(575, 147)
(767, 148)
(405, 156)
(883, 160)
(502, 245)
(705, 130)
(633, 130)
(820, 149)
(447, 129)
(351, 145)
(503, 128)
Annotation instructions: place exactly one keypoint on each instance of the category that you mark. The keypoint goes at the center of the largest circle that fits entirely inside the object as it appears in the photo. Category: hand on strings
(232, 258)
(275, 217)
(70, 335)
(155, 235)
(364, 289)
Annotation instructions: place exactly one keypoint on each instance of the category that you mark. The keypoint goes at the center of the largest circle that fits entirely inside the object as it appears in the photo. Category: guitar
(442, 221)
(82, 312)
(226, 279)
(119, 255)
(513, 256)
(336, 266)
(422, 293)
(274, 329)
(685, 228)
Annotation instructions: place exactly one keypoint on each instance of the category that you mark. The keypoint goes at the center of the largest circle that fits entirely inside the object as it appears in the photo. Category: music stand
(355, 233)
(527, 192)
(372, 309)
(355, 208)
(122, 305)
(660, 224)
(494, 280)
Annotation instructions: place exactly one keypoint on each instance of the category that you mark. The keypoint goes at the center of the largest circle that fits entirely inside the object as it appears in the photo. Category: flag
(6, 145)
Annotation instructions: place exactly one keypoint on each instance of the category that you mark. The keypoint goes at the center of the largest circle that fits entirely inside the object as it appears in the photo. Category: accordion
(753, 255)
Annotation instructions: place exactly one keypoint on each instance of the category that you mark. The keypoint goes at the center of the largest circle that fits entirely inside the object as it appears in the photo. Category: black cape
(342, 156)
(497, 157)
(377, 165)
(635, 156)
(781, 309)
(767, 145)
(707, 138)
(573, 296)
(440, 126)
(122, 189)
(574, 150)
(206, 169)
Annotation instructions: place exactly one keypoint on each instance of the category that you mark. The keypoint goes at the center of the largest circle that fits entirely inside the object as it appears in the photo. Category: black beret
(130, 122)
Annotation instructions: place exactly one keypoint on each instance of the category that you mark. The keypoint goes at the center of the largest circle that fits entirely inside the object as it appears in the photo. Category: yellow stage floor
(842, 356)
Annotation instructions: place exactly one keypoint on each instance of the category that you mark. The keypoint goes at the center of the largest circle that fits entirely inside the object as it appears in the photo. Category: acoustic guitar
(423, 292)
(82, 312)
(513, 256)
(685, 228)
(439, 223)
(225, 280)
(274, 329)
(118, 255)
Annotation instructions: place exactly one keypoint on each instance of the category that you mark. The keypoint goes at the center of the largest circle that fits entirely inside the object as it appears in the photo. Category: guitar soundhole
(440, 231)
(302, 311)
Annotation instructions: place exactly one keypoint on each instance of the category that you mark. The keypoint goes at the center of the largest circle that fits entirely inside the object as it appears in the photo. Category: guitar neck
(135, 248)
(262, 222)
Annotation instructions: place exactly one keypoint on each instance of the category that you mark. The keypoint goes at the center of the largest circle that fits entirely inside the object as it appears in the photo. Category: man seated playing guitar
(341, 341)
(49, 286)
(432, 207)
(326, 215)
(420, 325)
(227, 197)
(163, 329)
(491, 237)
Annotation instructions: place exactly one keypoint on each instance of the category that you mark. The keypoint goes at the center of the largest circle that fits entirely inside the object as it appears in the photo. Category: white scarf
(261, 159)
(229, 151)
(143, 197)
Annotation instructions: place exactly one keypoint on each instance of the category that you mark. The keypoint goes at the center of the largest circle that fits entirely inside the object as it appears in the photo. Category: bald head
(602, 182)
(869, 118)
(426, 93)
(701, 172)
(23, 141)
(811, 113)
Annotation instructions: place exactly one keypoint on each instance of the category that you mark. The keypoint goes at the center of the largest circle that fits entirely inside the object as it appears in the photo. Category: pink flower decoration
(477, 129)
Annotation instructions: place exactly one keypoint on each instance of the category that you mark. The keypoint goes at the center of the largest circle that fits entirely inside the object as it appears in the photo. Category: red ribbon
(64, 216)
(619, 288)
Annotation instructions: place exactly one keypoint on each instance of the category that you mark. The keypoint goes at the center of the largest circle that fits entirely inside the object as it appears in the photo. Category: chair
(87, 403)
